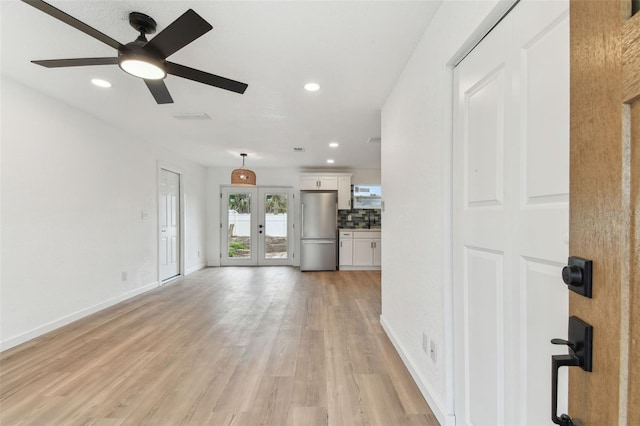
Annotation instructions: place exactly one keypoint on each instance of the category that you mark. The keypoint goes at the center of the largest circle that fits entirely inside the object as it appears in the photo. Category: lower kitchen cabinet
(346, 251)
(360, 249)
(377, 252)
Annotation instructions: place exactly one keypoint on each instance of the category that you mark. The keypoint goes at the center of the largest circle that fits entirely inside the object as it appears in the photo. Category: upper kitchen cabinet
(340, 182)
(344, 192)
(318, 183)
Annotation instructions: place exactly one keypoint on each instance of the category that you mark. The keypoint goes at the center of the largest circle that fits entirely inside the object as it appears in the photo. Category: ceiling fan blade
(205, 77)
(159, 91)
(178, 34)
(77, 62)
(75, 23)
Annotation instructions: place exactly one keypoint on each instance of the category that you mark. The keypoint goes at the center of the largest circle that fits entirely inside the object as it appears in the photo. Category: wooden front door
(604, 206)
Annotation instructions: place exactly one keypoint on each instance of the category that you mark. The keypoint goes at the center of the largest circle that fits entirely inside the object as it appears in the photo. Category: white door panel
(484, 140)
(511, 159)
(483, 335)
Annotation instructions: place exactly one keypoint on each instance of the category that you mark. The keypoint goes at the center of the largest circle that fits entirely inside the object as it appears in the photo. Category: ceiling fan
(142, 58)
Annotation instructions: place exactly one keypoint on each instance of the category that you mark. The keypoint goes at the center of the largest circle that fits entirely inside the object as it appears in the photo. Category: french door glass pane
(275, 229)
(239, 235)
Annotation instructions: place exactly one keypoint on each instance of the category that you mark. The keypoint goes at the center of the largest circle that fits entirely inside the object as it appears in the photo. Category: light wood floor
(223, 346)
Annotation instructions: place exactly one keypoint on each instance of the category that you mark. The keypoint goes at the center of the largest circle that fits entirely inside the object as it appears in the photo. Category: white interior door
(169, 218)
(256, 226)
(511, 184)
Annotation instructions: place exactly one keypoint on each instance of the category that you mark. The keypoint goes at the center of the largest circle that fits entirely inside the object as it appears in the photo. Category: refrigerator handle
(302, 220)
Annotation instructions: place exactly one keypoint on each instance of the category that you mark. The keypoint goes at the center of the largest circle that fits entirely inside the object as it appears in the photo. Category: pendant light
(243, 176)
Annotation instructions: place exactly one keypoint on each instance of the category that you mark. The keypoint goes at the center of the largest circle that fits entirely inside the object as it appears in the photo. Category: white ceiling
(355, 50)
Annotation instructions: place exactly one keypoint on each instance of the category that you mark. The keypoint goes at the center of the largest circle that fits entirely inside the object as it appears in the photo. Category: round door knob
(572, 275)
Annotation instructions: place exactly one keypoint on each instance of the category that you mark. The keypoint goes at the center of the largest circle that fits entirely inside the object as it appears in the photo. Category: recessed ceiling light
(312, 87)
(101, 83)
(334, 144)
(330, 161)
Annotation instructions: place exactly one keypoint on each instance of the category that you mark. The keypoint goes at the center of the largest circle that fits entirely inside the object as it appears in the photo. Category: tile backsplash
(360, 218)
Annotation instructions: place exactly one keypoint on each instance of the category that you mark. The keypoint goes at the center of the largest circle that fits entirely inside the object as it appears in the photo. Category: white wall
(73, 191)
(416, 154)
(217, 176)
(195, 205)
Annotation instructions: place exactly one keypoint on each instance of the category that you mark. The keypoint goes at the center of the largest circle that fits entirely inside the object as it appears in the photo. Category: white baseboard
(426, 391)
(359, 268)
(195, 268)
(50, 326)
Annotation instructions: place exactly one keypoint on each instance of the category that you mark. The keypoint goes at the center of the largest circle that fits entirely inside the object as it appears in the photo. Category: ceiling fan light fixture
(142, 68)
(243, 176)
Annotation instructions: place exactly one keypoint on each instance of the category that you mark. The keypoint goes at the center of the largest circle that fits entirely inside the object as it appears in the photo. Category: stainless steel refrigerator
(318, 235)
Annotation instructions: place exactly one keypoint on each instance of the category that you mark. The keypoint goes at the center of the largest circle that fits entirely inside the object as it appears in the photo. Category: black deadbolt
(577, 275)
(572, 275)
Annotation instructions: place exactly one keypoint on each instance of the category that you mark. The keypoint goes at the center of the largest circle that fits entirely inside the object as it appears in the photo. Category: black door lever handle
(564, 342)
(558, 361)
(580, 343)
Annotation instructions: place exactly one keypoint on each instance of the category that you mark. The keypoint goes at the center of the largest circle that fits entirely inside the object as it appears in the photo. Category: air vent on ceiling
(374, 140)
(298, 149)
(191, 116)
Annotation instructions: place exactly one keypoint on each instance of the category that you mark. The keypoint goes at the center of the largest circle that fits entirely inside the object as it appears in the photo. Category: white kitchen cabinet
(346, 248)
(360, 249)
(344, 193)
(340, 182)
(377, 252)
(363, 252)
(318, 183)
(308, 183)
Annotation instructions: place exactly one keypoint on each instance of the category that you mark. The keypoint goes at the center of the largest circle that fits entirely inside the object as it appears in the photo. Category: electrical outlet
(425, 343)
(124, 276)
(432, 351)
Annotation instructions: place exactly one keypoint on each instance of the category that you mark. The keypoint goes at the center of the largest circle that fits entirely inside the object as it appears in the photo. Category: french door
(256, 226)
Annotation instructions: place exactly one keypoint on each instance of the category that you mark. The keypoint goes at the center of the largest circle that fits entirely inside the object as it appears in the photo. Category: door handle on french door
(580, 343)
